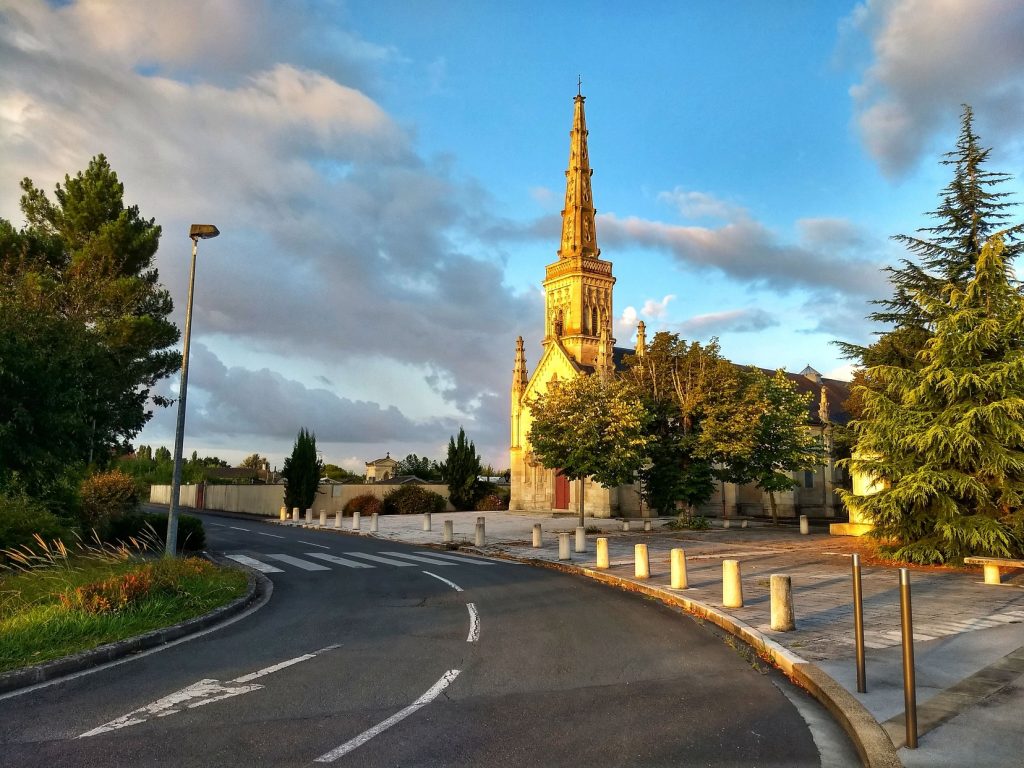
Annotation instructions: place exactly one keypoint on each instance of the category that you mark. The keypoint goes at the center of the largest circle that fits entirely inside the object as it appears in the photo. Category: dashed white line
(274, 535)
(310, 543)
(365, 736)
(451, 584)
(236, 528)
(474, 624)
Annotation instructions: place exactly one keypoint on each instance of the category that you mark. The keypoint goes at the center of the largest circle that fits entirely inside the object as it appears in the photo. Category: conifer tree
(302, 472)
(461, 471)
(944, 436)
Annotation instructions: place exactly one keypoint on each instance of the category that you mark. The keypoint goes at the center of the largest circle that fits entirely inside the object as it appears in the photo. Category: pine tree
(461, 471)
(944, 436)
(302, 472)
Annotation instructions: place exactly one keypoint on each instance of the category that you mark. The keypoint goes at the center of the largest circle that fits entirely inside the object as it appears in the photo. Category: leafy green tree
(461, 471)
(944, 437)
(253, 461)
(586, 427)
(342, 475)
(302, 472)
(162, 454)
(422, 467)
(781, 443)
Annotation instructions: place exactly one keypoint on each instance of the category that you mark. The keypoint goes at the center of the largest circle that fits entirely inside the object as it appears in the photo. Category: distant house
(403, 480)
(380, 470)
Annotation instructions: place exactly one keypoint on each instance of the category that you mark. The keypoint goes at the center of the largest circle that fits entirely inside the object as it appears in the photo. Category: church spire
(519, 377)
(641, 339)
(579, 231)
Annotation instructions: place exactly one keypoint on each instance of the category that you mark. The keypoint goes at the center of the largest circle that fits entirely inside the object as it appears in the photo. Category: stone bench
(991, 566)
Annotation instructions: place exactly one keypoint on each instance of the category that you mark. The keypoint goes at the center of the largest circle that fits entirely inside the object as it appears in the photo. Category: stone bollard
(426, 521)
(337, 519)
(373, 522)
(563, 546)
(602, 552)
(648, 526)
(625, 525)
(481, 535)
(309, 516)
(581, 539)
(726, 523)
(743, 524)
(295, 514)
(284, 514)
(679, 579)
(536, 535)
(782, 603)
(481, 520)
(804, 527)
(732, 587)
(323, 518)
(356, 520)
(641, 569)
(449, 531)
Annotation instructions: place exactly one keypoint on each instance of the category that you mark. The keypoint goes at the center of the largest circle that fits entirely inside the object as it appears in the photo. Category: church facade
(578, 327)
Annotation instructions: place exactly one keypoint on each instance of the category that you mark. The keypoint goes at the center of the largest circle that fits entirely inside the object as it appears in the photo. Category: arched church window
(593, 320)
(558, 323)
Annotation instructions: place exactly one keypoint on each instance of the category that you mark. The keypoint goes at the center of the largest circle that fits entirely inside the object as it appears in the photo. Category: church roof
(835, 390)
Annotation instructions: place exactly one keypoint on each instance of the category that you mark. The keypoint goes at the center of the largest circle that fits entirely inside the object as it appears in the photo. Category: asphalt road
(360, 662)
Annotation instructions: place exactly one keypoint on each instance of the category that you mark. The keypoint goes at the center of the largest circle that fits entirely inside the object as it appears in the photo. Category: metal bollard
(426, 521)
(909, 682)
(295, 514)
(356, 520)
(373, 522)
(481, 535)
(679, 579)
(284, 514)
(804, 526)
(337, 519)
(563, 546)
(732, 584)
(581, 539)
(536, 535)
(323, 518)
(781, 588)
(647, 525)
(309, 516)
(449, 531)
(641, 566)
(625, 525)
(858, 626)
(602, 552)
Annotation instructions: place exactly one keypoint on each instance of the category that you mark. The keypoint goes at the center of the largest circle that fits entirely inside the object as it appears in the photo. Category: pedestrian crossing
(315, 561)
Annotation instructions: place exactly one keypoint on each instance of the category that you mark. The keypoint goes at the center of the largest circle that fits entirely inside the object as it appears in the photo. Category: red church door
(561, 491)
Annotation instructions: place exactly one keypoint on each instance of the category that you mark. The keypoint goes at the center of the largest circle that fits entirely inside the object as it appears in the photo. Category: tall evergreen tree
(302, 472)
(461, 471)
(944, 436)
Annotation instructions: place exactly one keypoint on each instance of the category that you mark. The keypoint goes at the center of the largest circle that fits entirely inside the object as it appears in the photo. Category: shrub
(105, 497)
(151, 531)
(22, 518)
(365, 504)
(114, 594)
(412, 500)
(491, 502)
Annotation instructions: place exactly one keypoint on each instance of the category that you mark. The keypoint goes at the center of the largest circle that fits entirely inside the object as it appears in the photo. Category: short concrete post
(373, 522)
(743, 524)
(323, 518)
(732, 586)
(642, 568)
(563, 546)
(426, 521)
(481, 535)
(648, 526)
(581, 539)
(356, 521)
(625, 525)
(295, 514)
(783, 619)
(481, 520)
(536, 535)
(284, 514)
(449, 531)
(337, 519)
(726, 523)
(602, 552)
(804, 527)
(309, 516)
(679, 578)
(991, 572)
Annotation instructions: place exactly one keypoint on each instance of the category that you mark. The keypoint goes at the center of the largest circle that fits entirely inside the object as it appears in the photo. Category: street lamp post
(197, 232)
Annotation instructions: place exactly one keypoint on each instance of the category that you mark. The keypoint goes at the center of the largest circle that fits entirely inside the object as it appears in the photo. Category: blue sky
(388, 176)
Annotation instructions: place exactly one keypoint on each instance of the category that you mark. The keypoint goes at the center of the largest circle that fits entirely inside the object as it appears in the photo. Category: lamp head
(203, 231)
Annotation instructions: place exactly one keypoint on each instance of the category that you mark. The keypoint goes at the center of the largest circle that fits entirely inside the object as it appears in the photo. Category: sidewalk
(969, 637)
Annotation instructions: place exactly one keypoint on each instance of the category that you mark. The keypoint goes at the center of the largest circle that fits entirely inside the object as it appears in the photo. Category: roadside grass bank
(56, 602)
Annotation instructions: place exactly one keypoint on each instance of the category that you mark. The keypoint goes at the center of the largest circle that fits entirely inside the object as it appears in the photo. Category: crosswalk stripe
(456, 558)
(385, 560)
(339, 560)
(253, 563)
(418, 558)
(299, 563)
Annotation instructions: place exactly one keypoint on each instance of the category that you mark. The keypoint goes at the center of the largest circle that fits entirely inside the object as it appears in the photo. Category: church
(578, 325)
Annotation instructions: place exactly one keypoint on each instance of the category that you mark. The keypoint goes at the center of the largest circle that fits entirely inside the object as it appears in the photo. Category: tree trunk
(771, 503)
(579, 492)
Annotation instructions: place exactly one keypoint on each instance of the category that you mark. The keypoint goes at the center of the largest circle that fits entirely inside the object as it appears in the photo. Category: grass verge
(75, 602)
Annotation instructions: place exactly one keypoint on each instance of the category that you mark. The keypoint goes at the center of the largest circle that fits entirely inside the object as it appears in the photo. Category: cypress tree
(302, 471)
(461, 471)
(944, 435)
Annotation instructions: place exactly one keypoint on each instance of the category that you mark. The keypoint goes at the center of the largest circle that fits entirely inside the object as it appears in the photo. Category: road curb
(873, 744)
(257, 587)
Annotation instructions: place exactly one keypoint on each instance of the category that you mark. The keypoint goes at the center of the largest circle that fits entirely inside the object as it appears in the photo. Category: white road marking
(385, 560)
(274, 535)
(339, 560)
(236, 528)
(311, 544)
(458, 558)
(198, 694)
(253, 563)
(451, 584)
(418, 559)
(300, 563)
(474, 624)
(218, 525)
(365, 736)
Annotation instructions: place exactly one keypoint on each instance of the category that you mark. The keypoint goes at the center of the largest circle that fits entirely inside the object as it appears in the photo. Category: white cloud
(655, 309)
(699, 205)
(711, 324)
